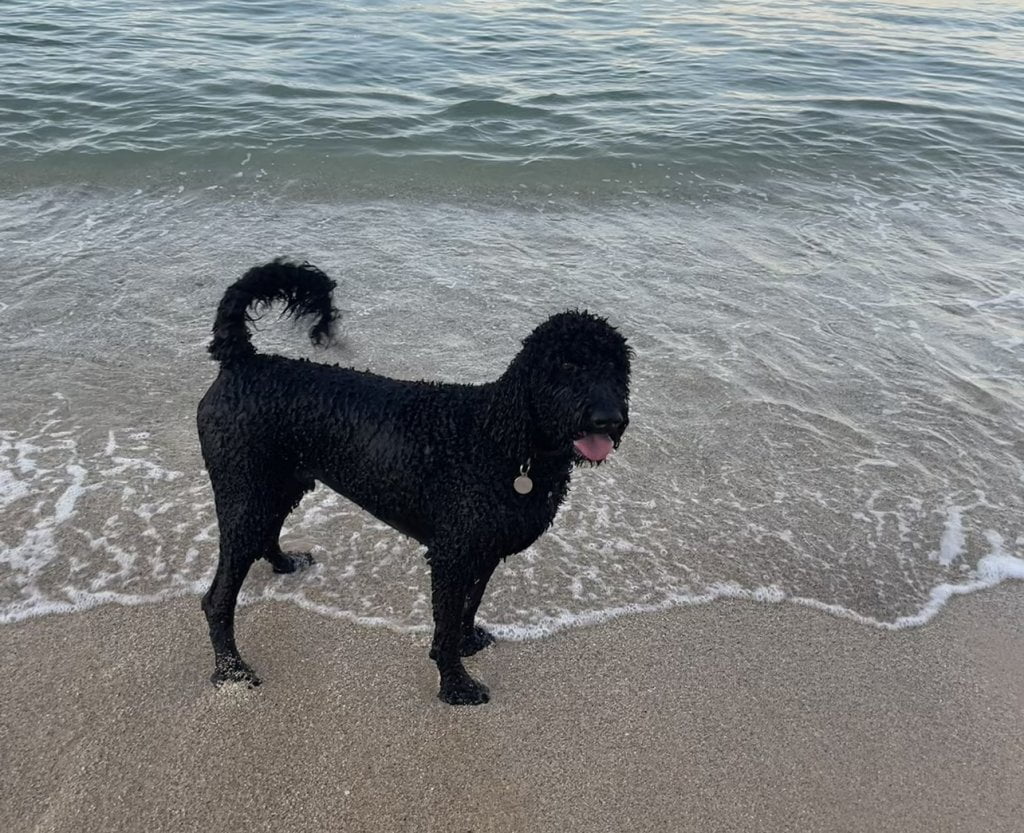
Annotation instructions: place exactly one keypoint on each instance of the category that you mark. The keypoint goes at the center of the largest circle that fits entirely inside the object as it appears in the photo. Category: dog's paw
(476, 640)
(234, 671)
(464, 691)
(292, 562)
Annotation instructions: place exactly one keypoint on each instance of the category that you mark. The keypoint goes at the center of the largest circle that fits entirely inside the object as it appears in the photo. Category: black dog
(473, 472)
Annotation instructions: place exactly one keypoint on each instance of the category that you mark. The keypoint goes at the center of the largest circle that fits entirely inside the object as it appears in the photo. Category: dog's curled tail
(303, 289)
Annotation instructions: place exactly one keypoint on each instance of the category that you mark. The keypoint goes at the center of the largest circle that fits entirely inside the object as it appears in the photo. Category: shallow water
(807, 219)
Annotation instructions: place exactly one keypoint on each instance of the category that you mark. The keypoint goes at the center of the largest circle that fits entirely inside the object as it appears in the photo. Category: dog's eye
(569, 367)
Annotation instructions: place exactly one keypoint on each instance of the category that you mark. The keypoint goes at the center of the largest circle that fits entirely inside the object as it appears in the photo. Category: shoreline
(732, 716)
(992, 571)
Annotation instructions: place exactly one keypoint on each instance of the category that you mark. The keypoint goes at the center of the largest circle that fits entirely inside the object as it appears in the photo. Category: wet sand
(733, 716)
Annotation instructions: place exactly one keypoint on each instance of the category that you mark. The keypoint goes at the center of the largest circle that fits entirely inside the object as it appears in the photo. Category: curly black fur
(435, 461)
(304, 289)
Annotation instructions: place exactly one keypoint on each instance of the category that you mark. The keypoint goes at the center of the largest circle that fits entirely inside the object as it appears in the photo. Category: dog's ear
(509, 413)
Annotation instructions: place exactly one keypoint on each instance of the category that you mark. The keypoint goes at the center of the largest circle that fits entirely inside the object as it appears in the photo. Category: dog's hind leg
(449, 586)
(475, 638)
(245, 529)
(283, 502)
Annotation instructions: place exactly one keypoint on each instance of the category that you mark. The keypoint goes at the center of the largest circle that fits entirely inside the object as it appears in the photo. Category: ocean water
(807, 217)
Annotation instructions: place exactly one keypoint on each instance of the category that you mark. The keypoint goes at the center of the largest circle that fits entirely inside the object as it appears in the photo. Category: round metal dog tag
(523, 484)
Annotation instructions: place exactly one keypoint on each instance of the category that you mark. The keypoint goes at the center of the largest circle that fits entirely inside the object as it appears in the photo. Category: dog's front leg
(475, 638)
(449, 583)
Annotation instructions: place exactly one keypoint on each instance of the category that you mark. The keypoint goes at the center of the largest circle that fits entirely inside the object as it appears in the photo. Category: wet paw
(292, 562)
(475, 640)
(464, 691)
(234, 671)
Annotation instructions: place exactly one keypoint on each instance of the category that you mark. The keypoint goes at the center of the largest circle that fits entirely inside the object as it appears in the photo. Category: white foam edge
(992, 570)
(82, 600)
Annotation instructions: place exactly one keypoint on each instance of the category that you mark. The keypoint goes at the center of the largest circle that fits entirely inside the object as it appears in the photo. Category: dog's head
(577, 367)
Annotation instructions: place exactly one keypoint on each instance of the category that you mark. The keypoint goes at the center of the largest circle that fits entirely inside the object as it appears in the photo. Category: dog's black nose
(605, 420)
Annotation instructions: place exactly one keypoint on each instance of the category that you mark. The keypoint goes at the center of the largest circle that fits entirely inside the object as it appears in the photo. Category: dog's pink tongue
(595, 447)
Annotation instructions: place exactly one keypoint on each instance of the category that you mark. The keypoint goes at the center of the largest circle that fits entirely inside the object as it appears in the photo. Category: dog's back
(375, 440)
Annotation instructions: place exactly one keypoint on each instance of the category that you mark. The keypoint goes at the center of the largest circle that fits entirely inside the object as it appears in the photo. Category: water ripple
(737, 91)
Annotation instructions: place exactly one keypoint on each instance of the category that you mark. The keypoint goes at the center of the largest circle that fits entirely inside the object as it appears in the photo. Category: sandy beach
(733, 716)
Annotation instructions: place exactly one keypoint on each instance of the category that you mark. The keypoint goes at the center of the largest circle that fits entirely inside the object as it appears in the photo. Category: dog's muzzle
(604, 428)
